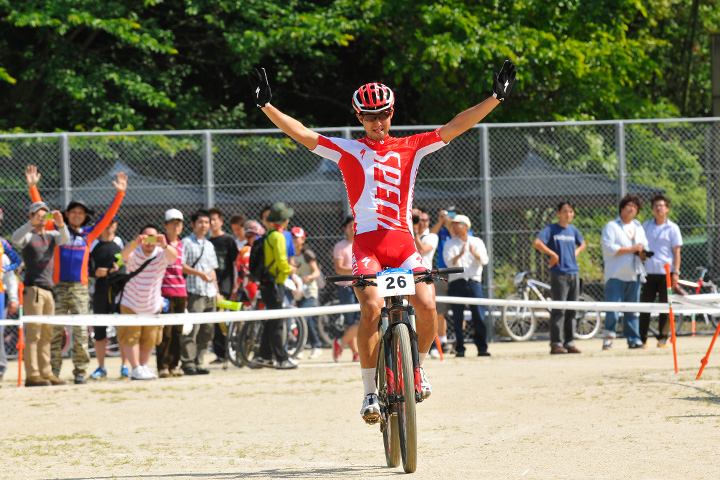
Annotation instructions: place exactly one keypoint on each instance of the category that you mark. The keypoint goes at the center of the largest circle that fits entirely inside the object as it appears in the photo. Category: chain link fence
(507, 178)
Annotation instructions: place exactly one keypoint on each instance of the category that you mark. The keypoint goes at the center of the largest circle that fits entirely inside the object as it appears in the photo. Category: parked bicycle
(521, 322)
(242, 341)
(701, 285)
(398, 367)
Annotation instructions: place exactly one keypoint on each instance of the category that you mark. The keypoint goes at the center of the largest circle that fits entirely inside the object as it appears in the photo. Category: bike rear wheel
(405, 390)
(519, 322)
(388, 420)
(248, 341)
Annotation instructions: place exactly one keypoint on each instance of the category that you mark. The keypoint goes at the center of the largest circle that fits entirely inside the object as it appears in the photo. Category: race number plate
(396, 281)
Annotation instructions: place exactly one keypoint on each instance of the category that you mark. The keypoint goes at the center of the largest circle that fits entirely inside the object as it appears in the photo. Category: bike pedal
(371, 419)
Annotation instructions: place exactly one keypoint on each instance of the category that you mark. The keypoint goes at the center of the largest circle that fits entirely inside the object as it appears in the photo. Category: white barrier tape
(217, 317)
(183, 318)
(597, 306)
(14, 323)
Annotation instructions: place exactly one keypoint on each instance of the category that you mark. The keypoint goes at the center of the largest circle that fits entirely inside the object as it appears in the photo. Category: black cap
(80, 203)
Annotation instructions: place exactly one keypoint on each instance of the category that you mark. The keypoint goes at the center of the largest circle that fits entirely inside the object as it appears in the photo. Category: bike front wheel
(331, 326)
(388, 420)
(231, 343)
(405, 390)
(519, 322)
(589, 322)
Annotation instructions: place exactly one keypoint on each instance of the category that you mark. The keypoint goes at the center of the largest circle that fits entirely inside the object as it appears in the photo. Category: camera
(416, 219)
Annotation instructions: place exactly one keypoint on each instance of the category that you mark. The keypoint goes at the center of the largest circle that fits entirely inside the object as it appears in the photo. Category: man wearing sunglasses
(379, 173)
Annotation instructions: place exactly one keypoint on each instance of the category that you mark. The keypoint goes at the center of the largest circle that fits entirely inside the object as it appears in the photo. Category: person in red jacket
(71, 270)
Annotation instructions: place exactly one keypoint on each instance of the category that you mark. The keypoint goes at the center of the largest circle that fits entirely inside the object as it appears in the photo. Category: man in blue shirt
(562, 242)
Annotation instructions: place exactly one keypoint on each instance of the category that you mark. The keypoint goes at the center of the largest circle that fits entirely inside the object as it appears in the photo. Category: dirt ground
(521, 414)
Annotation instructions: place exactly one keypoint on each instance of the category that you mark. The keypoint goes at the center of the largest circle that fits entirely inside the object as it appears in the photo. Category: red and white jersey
(380, 176)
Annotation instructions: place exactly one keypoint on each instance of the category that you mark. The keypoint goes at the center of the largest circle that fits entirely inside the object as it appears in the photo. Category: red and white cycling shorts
(373, 251)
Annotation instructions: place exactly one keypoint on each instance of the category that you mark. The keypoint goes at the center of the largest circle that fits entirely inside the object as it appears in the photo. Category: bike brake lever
(361, 283)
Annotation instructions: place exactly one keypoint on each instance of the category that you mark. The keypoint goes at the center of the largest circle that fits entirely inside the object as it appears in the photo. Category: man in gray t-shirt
(37, 247)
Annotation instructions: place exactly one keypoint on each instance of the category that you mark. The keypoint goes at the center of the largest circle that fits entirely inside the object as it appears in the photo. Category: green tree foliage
(180, 64)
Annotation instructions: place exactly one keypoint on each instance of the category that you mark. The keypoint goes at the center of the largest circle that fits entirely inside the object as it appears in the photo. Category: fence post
(622, 161)
(208, 178)
(65, 184)
(487, 228)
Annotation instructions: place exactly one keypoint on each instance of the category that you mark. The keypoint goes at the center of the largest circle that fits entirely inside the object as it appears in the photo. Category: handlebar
(351, 278)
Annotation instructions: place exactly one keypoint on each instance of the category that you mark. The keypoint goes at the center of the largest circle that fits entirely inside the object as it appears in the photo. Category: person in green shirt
(272, 343)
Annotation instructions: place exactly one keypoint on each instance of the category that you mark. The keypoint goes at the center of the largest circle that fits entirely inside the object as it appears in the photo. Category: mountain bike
(398, 367)
(521, 322)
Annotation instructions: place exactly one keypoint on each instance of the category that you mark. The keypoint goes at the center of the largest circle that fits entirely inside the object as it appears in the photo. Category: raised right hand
(503, 81)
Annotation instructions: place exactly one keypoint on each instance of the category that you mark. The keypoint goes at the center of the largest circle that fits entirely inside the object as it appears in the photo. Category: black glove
(503, 81)
(261, 87)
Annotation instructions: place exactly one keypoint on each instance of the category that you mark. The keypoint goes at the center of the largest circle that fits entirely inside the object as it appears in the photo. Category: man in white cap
(470, 253)
(173, 288)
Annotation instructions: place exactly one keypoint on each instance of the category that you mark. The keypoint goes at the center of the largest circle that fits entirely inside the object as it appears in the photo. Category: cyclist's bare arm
(502, 85)
(293, 128)
(467, 119)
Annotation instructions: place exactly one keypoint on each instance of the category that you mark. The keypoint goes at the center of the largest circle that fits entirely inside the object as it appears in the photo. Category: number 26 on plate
(396, 281)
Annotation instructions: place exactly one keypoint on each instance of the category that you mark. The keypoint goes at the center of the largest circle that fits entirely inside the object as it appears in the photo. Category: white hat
(173, 214)
(461, 219)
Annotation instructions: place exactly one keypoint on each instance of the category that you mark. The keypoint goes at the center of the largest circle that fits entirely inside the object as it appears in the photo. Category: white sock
(421, 358)
(443, 338)
(368, 376)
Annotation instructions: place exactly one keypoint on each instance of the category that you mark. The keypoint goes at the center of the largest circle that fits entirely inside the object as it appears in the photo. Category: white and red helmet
(373, 98)
(253, 227)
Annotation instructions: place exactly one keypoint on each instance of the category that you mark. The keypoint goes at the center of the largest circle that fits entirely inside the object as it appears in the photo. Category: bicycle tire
(388, 420)
(331, 326)
(519, 322)
(589, 322)
(405, 388)
(231, 344)
(248, 342)
(296, 331)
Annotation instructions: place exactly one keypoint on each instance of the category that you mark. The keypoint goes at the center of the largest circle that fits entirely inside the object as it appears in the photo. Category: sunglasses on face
(371, 117)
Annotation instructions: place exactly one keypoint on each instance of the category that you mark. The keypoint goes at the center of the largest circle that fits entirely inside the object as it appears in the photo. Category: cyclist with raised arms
(379, 172)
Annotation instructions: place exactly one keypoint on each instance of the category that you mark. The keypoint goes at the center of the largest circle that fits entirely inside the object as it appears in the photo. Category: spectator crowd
(73, 262)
